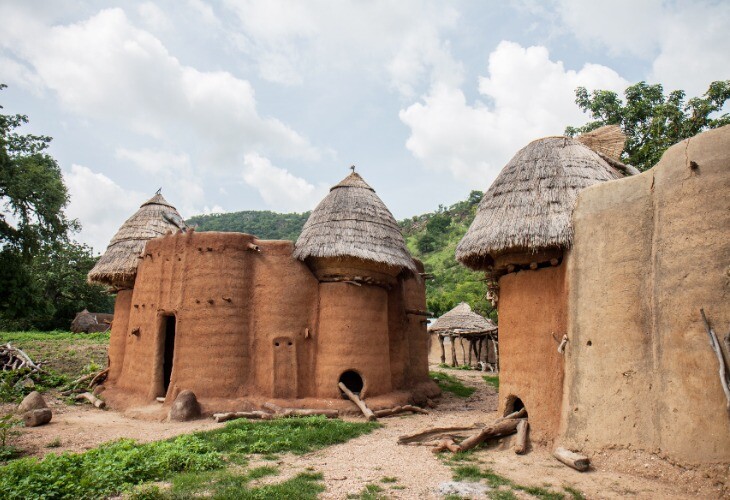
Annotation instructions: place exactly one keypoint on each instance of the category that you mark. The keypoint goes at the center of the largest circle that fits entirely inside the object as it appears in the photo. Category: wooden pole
(454, 362)
(574, 460)
(369, 415)
(495, 430)
(443, 350)
(715, 344)
(521, 438)
(224, 417)
(99, 403)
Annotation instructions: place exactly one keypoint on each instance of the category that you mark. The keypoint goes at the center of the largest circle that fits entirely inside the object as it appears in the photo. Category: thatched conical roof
(463, 321)
(529, 205)
(118, 266)
(352, 221)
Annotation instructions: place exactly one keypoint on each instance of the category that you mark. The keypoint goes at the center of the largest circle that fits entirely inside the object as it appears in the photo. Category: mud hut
(241, 321)
(520, 236)
(476, 335)
(87, 322)
(117, 267)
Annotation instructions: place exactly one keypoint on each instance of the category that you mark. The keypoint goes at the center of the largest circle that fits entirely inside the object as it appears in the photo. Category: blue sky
(243, 104)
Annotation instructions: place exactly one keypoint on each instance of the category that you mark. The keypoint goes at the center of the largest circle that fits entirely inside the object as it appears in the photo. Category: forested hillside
(431, 237)
(264, 224)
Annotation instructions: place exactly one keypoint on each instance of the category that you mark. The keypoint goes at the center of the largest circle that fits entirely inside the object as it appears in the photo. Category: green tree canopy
(651, 120)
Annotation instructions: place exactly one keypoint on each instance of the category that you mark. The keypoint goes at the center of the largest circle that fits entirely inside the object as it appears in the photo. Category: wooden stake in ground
(715, 344)
(571, 459)
(369, 415)
(521, 438)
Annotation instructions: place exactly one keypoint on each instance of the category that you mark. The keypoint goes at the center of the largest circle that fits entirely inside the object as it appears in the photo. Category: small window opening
(352, 381)
(514, 404)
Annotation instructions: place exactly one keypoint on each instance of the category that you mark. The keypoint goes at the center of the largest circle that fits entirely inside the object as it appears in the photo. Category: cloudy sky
(263, 104)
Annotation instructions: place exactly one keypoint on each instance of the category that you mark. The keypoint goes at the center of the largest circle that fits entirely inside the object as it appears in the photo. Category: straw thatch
(352, 221)
(461, 320)
(608, 140)
(118, 266)
(88, 322)
(528, 207)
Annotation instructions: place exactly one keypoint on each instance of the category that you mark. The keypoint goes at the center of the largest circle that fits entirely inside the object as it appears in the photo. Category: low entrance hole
(353, 381)
(513, 404)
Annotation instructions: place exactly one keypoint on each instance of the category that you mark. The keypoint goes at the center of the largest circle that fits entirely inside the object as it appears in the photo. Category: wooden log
(503, 428)
(426, 436)
(34, 418)
(300, 412)
(446, 444)
(571, 459)
(253, 415)
(454, 361)
(715, 344)
(369, 415)
(521, 438)
(98, 378)
(522, 412)
(387, 412)
(99, 403)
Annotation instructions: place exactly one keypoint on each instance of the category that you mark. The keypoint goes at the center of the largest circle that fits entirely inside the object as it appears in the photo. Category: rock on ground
(33, 401)
(34, 418)
(185, 407)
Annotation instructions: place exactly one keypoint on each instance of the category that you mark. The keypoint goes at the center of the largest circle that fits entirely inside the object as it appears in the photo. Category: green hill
(431, 237)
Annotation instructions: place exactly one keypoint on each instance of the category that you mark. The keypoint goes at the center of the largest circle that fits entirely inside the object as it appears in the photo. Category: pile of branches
(86, 383)
(12, 358)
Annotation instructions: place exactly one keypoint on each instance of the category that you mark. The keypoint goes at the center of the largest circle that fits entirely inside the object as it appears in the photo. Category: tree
(652, 121)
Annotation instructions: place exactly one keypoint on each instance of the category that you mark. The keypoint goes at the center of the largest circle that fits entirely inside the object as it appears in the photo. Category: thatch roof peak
(462, 320)
(117, 267)
(353, 180)
(529, 205)
(352, 221)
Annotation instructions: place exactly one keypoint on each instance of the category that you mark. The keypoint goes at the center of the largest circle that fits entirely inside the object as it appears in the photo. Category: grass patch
(389, 479)
(120, 465)
(370, 492)
(451, 384)
(492, 380)
(458, 367)
(574, 494)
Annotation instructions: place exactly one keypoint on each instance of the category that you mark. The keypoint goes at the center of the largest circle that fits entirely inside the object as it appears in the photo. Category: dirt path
(348, 468)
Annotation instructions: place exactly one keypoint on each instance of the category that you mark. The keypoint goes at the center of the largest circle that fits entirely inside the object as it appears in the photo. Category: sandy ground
(349, 467)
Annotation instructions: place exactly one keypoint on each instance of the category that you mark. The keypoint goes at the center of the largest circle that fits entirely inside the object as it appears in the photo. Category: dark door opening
(352, 381)
(514, 404)
(168, 355)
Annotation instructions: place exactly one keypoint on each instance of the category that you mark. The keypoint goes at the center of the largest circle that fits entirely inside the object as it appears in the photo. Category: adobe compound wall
(254, 326)
(649, 252)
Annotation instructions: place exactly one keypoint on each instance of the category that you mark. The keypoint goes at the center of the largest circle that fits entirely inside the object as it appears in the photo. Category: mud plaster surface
(349, 467)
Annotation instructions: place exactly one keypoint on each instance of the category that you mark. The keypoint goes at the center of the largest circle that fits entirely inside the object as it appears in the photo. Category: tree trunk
(92, 399)
(443, 350)
(521, 438)
(503, 428)
(360, 403)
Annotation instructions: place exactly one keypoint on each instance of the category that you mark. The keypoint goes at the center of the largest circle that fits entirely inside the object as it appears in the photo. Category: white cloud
(528, 96)
(686, 42)
(100, 204)
(398, 41)
(153, 17)
(106, 68)
(280, 188)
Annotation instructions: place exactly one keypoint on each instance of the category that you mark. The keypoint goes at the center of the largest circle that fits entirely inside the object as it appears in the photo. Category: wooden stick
(443, 351)
(715, 344)
(387, 412)
(99, 377)
(445, 444)
(561, 347)
(517, 414)
(428, 435)
(369, 415)
(574, 460)
(503, 428)
(224, 417)
(99, 403)
(521, 438)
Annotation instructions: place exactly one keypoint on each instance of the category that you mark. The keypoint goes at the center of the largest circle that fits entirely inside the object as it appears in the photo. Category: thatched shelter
(118, 266)
(528, 207)
(88, 322)
(520, 236)
(352, 222)
(465, 326)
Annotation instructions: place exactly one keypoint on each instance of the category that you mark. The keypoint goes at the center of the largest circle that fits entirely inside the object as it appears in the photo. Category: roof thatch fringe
(529, 205)
(118, 266)
(352, 221)
(608, 140)
(462, 320)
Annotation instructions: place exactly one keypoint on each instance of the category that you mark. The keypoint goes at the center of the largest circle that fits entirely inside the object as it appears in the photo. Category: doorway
(353, 381)
(168, 332)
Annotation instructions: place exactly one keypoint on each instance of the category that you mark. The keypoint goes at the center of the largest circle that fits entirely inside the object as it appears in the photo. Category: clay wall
(118, 337)
(352, 335)
(649, 252)
(416, 354)
(532, 314)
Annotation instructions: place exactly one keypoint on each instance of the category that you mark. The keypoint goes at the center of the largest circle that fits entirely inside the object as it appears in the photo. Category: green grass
(574, 494)
(118, 466)
(55, 335)
(492, 380)
(370, 492)
(451, 384)
(389, 479)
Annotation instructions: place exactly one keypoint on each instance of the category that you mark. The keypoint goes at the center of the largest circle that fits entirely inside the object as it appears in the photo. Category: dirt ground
(418, 473)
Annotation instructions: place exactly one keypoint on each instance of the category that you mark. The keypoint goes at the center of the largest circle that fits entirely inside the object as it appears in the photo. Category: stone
(34, 418)
(185, 407)
(464, 489)
(26, 383)
(33, 401)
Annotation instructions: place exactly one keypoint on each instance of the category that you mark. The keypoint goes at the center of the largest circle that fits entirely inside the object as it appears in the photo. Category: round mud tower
(185, 407)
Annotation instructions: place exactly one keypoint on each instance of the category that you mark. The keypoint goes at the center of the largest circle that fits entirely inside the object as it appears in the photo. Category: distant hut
(117, 268)
(464, 325)
(520, 235)
(88, 322)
